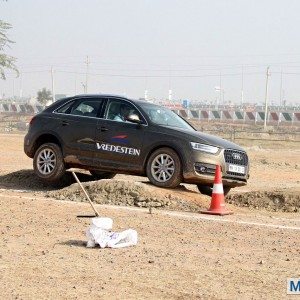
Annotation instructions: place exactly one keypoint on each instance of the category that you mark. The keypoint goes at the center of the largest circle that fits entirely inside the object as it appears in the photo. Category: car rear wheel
(48, 163)
(98, 175)
(164, 168)
(207, 189)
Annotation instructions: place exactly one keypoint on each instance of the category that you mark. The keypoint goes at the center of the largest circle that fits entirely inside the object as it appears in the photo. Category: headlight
(204, 148)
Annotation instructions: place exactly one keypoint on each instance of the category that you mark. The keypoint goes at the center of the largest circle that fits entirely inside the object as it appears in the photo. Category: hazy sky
(156, 45)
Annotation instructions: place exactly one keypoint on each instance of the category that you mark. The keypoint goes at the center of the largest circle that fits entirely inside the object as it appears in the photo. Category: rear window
(86, 108)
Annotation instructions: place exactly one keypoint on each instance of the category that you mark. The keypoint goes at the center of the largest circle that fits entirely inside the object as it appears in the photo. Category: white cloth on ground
(99, 233)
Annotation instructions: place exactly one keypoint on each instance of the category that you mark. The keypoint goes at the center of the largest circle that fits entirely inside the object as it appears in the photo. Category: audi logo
(237, 156)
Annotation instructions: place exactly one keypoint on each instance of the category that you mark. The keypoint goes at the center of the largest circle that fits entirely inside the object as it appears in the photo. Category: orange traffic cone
(217, 205)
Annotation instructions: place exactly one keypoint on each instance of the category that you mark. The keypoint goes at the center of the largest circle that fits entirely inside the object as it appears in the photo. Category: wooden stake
(86, 194)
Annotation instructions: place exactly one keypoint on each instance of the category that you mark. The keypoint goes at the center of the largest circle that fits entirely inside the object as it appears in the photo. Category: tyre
(48, 163)
(164, 168)
(207, 189)
(102, 175)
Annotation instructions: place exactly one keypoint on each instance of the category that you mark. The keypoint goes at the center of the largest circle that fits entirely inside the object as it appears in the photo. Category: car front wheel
(164, 168)
(48, 163)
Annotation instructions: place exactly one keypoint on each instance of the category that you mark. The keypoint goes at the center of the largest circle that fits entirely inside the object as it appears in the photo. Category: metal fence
(237, 135)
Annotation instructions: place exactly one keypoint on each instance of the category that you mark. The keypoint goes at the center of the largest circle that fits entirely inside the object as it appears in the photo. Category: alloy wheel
(46, 161)
(162, 167)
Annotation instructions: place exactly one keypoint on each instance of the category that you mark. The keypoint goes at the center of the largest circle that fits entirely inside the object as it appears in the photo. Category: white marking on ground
(286, 219)
(194, 216)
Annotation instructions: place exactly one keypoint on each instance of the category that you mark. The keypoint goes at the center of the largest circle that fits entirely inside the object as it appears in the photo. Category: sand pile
(281, 200)
(124, 192)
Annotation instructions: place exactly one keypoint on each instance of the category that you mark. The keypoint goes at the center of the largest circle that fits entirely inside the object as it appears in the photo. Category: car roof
(60, 102)
(97, 95)
(110, 96)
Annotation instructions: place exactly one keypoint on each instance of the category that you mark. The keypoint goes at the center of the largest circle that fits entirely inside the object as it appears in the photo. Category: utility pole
(242, 91)
(83, 85)
(170, 95)
(220, 98)
(52, 80)
(13, 88)
(21, 85)
(75, 85)
(86, 75)
(170, 90)
(280, 97)
(146, 89)
(266, 97)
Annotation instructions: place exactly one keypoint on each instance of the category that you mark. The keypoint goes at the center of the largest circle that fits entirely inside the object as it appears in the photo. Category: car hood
(205, 138)
(214, 141)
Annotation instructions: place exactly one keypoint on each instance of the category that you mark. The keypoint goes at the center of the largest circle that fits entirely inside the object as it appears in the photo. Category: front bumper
(201, 168)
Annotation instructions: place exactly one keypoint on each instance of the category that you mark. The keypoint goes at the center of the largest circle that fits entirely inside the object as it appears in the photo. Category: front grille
(235, 157)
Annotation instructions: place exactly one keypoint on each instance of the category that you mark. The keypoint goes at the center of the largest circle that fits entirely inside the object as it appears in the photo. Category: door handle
(102, 128)
(64, 123)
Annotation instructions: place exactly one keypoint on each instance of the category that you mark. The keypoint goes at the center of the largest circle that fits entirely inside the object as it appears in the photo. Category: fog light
(202, 169)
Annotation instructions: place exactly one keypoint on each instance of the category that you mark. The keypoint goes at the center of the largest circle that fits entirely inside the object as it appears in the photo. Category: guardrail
(275, 118)
(248, 135)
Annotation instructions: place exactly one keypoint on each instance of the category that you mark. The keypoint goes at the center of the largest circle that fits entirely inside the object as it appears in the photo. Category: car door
(119, 143)
(77, 129)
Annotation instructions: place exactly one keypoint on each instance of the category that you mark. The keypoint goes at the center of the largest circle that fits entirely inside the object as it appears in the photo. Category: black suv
(108, 134)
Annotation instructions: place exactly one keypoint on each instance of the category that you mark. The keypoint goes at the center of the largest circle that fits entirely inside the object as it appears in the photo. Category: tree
(6, 61)
(43, 96)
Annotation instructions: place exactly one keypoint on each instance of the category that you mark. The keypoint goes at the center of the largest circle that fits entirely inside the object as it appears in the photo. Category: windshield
(164, 116)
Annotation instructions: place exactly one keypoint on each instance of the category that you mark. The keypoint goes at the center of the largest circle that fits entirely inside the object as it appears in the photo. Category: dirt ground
(248, 255)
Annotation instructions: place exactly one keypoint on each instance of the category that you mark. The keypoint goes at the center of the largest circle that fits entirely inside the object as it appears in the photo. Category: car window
(119, 110)
(163, 116)
(87, 108)
(65, 108)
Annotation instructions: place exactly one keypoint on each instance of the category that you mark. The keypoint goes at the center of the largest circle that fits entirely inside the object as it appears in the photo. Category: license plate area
(236, 169)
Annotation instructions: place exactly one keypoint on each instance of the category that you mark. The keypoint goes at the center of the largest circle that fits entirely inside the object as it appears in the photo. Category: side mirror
(133, 118)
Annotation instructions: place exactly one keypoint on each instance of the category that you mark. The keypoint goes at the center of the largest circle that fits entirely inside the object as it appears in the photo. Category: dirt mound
(124, 192)
(27, 180)
(287, 201)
